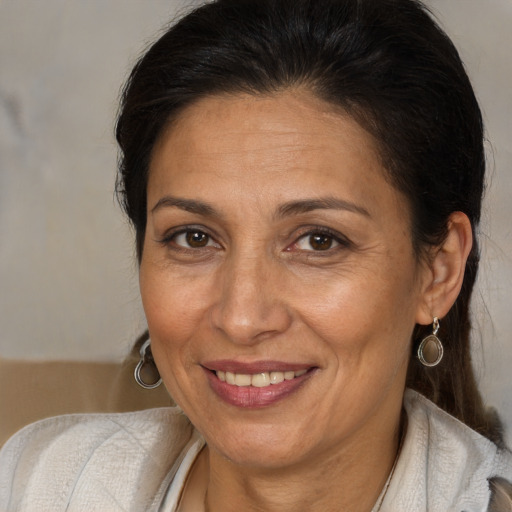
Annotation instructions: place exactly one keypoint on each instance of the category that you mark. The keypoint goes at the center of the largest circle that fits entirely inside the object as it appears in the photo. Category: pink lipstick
(258, 384)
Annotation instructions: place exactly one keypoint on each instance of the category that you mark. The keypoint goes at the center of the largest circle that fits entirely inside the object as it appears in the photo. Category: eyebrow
(285, 210)
(189, 205)
(322, 203)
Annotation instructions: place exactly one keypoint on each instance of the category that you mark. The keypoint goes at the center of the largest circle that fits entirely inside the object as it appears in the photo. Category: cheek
(170, 303)
(170, 314)
(370, 311)
(176, 309)
(161, 306)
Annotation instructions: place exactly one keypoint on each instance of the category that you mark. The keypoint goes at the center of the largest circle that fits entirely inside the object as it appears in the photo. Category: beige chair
(30, 391)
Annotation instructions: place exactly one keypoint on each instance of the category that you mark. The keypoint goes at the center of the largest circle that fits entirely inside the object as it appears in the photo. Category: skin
(257, 287)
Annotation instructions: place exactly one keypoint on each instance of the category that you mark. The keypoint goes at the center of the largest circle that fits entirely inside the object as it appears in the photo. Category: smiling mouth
(258, 380)
(258, 384)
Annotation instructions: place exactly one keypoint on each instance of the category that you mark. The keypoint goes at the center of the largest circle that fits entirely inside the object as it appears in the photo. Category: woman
(305, 180)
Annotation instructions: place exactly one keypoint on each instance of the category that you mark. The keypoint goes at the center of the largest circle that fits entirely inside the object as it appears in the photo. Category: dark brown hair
(389, 65)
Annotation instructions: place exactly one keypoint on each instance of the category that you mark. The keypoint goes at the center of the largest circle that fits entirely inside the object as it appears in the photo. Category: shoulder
(91, 458)
(447, 434)
(444, 464)
(445, 431)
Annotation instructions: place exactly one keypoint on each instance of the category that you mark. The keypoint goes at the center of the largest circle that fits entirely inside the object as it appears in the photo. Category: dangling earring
(430, 351)
(146, 373)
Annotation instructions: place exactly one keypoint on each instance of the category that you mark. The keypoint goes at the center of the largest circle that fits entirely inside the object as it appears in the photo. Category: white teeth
(258, 380)
(276, 377)
(242, 379)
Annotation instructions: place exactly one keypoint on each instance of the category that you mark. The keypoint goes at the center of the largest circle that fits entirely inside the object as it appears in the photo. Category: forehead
(282, 145)
(282, 117)
(290, 121)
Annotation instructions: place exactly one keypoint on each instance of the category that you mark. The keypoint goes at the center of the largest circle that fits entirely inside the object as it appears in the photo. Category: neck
(351, 479)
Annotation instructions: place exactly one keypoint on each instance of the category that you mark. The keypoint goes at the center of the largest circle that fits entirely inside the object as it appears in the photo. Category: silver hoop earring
(430, 351)
(146, 373)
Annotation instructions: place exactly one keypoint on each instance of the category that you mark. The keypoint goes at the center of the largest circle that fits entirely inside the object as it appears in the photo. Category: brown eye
(317, 242)
(190, 239)
(196, 239)
(320, 242)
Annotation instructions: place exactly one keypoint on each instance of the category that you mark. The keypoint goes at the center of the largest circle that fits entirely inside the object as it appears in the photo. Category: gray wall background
(68, 278)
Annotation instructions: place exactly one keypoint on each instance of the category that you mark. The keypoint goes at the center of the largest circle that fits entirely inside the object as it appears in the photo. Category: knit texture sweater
(139, 462)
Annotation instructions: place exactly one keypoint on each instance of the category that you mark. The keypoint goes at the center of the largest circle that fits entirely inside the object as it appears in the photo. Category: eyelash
(341, 241)
(169, 238)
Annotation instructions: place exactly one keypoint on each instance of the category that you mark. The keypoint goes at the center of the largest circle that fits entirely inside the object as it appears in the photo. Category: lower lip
(250, 397)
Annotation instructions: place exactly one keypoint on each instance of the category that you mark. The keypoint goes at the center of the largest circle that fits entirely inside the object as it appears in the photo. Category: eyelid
(172, 233)
(341, 240)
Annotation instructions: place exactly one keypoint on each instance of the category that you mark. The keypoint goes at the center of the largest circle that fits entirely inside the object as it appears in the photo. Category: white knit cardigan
(139, 462)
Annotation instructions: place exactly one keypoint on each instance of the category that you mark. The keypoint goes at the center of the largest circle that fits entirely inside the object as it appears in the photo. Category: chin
(258, 446)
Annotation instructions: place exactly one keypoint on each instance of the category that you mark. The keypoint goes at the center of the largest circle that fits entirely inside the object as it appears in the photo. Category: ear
(446, 270)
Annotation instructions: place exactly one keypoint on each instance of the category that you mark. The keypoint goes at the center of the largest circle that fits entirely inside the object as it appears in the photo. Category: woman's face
(278, 278)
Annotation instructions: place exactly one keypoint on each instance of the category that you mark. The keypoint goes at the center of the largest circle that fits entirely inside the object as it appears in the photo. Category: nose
(251, 305)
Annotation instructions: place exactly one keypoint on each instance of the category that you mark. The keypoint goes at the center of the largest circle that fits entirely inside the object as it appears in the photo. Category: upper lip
(251, 368)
